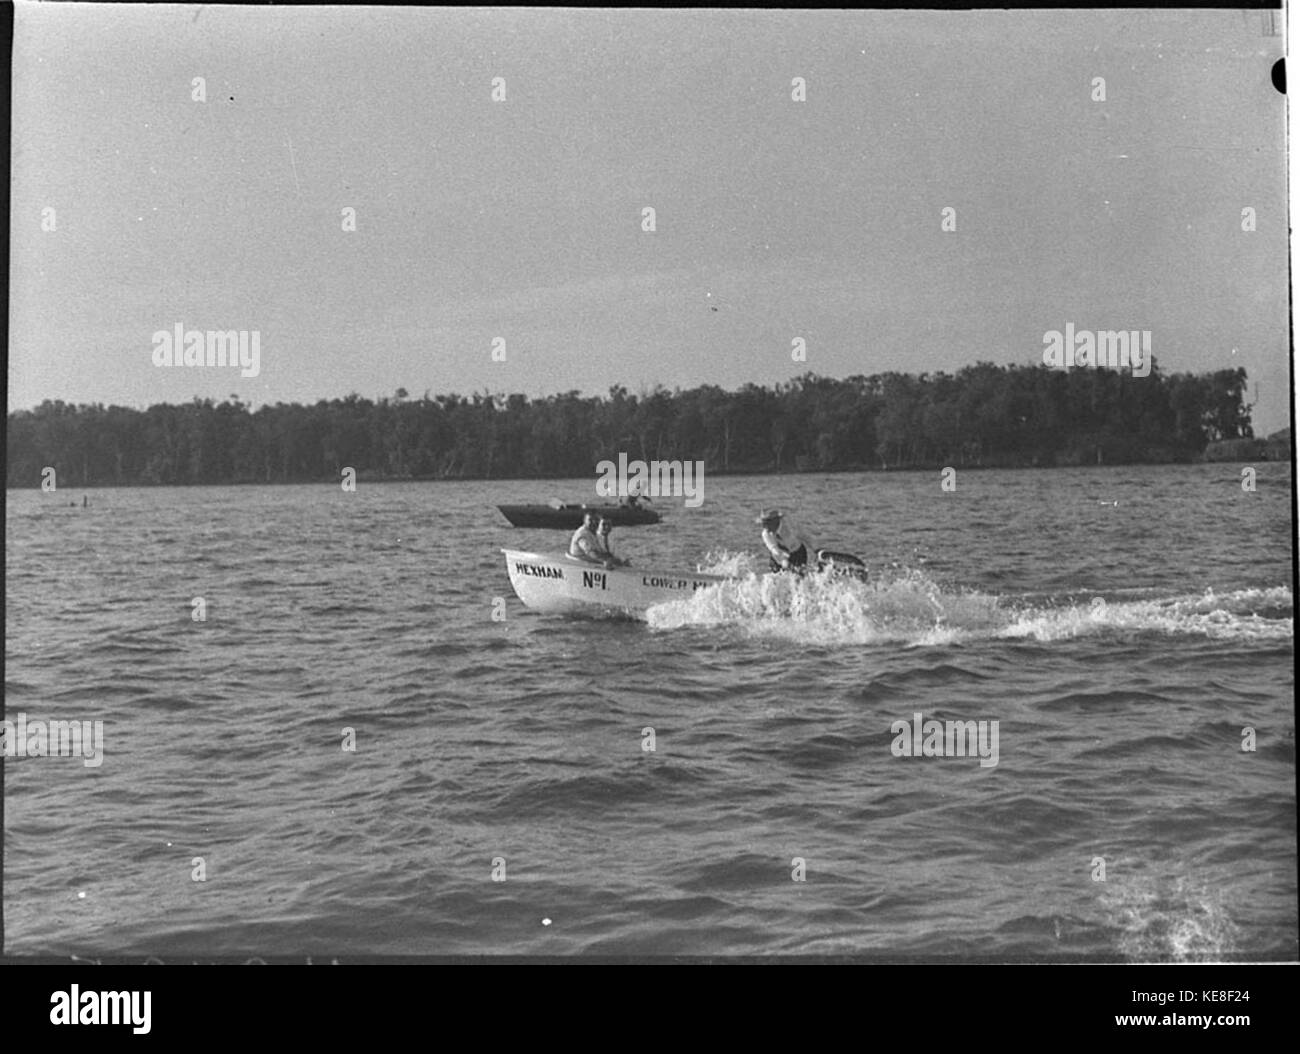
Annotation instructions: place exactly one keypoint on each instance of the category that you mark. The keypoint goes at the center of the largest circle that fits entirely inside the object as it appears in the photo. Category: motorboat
(568, 517)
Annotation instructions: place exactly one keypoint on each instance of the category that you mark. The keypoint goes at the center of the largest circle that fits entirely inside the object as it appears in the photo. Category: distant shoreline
(984, 416)
(1266, 456)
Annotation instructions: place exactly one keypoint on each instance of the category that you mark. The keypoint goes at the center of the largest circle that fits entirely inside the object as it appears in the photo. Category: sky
(522, 218)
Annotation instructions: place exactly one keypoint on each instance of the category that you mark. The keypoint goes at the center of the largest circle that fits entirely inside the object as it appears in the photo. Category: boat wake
(1173, 919)
(907, 606)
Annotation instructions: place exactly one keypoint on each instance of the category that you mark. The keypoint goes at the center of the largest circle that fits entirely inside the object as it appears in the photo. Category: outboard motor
(841, 564)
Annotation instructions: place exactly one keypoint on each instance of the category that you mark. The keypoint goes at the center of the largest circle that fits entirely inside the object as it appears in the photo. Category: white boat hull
(560, 584)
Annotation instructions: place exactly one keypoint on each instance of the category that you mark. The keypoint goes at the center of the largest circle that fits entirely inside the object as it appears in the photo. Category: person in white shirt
(786, 555)
(585, 543)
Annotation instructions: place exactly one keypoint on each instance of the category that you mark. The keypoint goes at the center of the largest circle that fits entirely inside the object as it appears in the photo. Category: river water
(1130, 630)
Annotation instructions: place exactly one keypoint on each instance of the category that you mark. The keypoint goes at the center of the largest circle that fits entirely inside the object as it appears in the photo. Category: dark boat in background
(569, 517)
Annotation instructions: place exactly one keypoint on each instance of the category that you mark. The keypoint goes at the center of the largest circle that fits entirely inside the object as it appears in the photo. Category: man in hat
(783, 557)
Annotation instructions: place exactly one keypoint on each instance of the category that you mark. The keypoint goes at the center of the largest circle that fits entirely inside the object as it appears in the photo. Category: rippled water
(1123, 626)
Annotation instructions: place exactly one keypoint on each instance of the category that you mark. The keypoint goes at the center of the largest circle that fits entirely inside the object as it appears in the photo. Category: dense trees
(984, 415)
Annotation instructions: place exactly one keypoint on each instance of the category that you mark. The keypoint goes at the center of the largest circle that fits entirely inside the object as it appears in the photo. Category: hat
(769, 516)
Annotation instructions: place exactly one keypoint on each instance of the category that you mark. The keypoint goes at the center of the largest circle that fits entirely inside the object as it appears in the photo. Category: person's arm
(778, 551)
(591, 550)
(580, 545)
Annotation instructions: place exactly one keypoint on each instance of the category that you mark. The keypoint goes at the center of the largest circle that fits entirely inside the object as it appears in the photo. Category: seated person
(602, 534)
(585, 543)
(783, 556)
(633, 498)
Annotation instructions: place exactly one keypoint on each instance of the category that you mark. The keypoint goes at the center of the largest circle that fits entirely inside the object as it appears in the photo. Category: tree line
(984, 415)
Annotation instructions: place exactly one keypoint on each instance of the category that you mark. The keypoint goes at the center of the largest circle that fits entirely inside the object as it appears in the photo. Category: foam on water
(728, 564)
(907, 606)
(1174, 918)
(1257, 615)
(903, 605)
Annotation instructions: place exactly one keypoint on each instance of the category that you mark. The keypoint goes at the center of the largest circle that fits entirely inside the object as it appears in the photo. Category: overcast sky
(522, 219)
